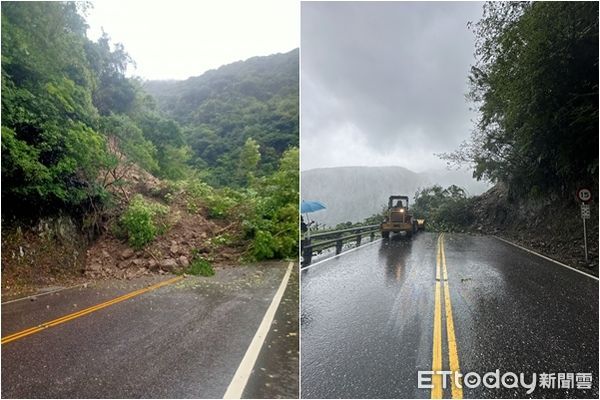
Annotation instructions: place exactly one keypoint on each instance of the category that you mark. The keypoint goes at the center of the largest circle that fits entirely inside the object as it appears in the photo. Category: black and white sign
(585, 211)
(584, 195)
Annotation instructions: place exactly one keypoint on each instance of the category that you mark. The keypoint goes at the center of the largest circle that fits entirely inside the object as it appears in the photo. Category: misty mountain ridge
(222, 108)
(260, 78)
(355, 193)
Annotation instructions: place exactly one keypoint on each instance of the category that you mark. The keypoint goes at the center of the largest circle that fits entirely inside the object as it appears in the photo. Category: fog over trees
(355, 193)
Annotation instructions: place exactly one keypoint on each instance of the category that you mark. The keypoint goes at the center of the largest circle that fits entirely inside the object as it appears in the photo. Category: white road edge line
(240, 379)
(546, 258)
(341, 254)
(44, 293)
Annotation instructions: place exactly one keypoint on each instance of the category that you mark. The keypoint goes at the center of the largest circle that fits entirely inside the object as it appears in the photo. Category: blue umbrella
(311, 206)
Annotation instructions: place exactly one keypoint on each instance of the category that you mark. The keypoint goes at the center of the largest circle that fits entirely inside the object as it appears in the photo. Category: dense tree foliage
(65, 100)
(50, 148)
(535, 85)
(223, 108)
(273, 224)
(443, 209)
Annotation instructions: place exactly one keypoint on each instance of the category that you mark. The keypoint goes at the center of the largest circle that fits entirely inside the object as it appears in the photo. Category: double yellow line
(69, 317)
(441, 282)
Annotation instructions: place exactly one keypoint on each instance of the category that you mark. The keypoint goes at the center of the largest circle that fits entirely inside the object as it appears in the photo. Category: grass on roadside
(200, 267)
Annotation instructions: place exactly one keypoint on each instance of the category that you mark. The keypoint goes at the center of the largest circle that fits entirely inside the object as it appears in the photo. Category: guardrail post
(306, 252)
(372, 236)
(338, 246)
(358, 237)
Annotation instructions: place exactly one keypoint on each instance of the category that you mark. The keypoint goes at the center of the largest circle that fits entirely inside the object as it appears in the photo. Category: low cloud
(384, 83)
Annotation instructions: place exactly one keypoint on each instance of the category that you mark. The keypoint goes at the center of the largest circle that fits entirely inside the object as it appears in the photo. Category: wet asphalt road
(276, 372)
(184, 340)
(367, 318)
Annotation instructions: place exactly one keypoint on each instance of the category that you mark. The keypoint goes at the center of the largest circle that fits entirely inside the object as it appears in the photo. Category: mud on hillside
(58, 251)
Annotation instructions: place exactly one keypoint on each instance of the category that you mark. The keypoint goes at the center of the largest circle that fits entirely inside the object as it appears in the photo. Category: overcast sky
(179, 39)
(385, 83)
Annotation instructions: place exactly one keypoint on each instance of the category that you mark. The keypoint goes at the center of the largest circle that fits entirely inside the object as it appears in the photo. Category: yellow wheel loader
(398, 218)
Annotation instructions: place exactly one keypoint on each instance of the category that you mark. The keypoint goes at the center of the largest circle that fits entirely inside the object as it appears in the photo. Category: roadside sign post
(585, 196)
(585, 214)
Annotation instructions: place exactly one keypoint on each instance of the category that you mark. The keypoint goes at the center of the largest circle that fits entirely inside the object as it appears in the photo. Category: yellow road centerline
(436, 380)
(457, 392)
(45, 325)
(57, 321)
(436, 363)
(452, 346)
(69, 317)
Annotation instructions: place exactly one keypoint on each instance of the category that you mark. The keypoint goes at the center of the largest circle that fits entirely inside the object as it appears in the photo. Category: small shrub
(166, 191)
(200, 266)
(263, 245)
(143, 221)
(192, 206)
(217, 201)
(198, 189)
(220, 203)
(221, 240)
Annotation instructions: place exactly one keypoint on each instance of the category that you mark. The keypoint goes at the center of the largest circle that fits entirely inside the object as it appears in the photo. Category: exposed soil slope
(552, 227)
(57, 251)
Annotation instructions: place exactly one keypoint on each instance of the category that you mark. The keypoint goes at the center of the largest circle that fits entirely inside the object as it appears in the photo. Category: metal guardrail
(321, 241)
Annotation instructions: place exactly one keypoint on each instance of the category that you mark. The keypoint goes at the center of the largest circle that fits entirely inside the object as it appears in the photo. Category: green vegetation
(443, 209)
(374, 219)
(229, 113)
(535, 86)
(142, 221)
(200, 266)
(273, 221)
(221, 240)
(75, 128)
(346, 225)
(69, 114)
(266, 209)
(217, 201)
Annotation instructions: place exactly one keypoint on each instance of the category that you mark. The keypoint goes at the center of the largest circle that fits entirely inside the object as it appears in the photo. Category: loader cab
(398, 202)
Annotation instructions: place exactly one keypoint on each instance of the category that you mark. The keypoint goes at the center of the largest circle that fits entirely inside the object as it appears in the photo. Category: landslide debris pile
(189, 234)
(60, 251)
(551, 225)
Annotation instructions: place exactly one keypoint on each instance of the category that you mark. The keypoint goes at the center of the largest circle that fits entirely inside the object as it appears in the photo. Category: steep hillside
(221, 109)
(355, 193)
